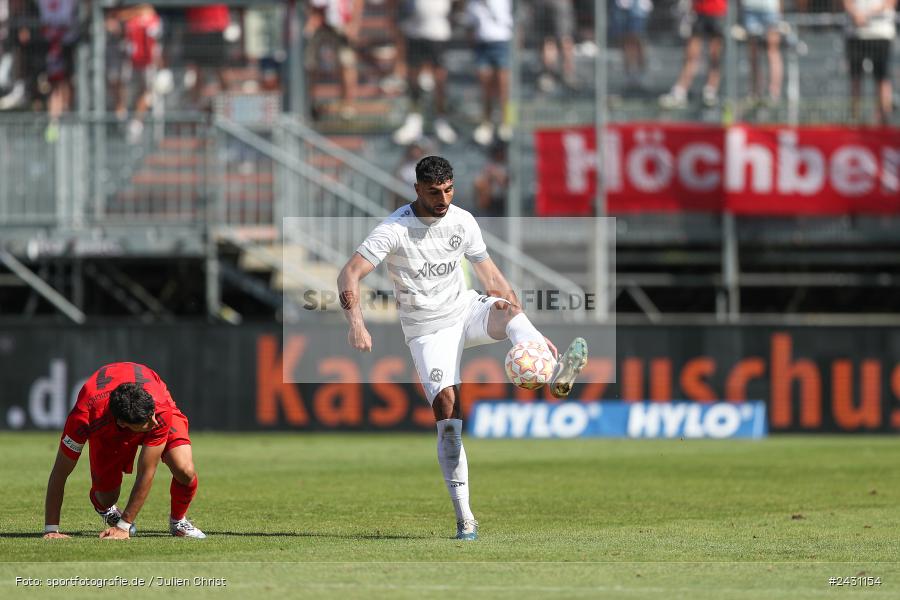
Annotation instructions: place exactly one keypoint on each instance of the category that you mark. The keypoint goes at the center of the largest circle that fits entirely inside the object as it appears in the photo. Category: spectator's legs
(855, 92)
(776, 66)
(440, 89)
(501, 75)
(59, 102)
(348, 83)
(755, 73)
(550, 55)
(119, 93)
(885, 101)
(136, 125)
(633, 50)
(567, 45)
(349, 80)
(484, 133)
(715, 63)
(412, 127)
(485, 79)
(691, 61)
(400, 65)
(412, 80)
(194, 82)
(144, 98)
(60, 99)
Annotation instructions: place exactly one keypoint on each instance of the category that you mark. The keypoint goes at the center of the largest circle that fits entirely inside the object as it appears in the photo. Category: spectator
(205, 47)
(492, 21)
(426, 29)
(492, 182)
(628, 25)
(555, 22)
(708, 23)
(336, 23)
(761, 19)
(264, 43)
(5, 54)
(12, 87)
(59, 27)
(29, 50)
(135, 58)
(870, 34)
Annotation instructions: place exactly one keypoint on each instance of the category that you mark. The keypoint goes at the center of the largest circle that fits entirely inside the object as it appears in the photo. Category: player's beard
(432, 210)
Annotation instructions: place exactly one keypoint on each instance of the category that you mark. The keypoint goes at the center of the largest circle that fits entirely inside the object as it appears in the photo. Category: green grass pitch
(363, 516)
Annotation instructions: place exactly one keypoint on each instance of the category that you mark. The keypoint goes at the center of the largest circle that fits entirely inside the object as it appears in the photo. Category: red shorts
(106, 473)
(178, 433)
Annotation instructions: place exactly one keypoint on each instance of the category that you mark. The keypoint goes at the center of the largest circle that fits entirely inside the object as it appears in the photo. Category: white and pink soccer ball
(530, 365)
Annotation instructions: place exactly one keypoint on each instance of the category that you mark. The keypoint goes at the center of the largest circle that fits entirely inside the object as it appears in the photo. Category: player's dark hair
(131, 403)
(433, 169)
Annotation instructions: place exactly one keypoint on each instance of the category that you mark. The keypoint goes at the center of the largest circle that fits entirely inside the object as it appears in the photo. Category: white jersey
(424, 263)
(428, 20)
(878, 26)
(492, 19)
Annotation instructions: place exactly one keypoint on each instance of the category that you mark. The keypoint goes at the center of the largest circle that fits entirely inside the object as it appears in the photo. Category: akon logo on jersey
(436, 269)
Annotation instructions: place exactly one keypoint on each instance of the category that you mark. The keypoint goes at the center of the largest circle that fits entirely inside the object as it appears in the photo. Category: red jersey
(208, 19)
(142, 33)
(711, 8)
(90, 418)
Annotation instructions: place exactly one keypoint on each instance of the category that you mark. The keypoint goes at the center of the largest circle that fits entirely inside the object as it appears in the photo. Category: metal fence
(181, 170)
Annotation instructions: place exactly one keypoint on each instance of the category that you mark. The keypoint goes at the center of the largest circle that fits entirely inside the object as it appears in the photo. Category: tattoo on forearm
(348, 300)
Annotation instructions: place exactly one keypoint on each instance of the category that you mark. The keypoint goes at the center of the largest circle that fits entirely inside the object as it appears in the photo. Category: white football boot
(184, 528)
(467, 530)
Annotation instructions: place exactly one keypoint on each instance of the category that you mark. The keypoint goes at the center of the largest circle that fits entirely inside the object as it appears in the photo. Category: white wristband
(124, 525)
(51, 528)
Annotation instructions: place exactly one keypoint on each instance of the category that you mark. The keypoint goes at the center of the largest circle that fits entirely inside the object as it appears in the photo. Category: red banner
(749, 170)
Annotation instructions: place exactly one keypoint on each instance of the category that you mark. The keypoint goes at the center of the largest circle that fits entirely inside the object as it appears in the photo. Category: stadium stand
(208, 180)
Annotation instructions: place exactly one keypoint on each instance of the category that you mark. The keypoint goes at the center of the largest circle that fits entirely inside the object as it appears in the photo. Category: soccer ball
(530, 365)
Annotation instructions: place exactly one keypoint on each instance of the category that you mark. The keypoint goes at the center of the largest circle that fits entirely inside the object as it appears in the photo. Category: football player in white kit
(422, 245)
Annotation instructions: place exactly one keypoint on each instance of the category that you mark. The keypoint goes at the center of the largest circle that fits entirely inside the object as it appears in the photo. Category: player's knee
(444, 404)
(506, 310)
(184, 473)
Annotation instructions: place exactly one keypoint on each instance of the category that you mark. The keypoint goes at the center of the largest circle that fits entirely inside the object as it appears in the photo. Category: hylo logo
(436, 375)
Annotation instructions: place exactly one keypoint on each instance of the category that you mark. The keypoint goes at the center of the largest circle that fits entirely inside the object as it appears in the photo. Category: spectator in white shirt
(492, 22)
(426, 30)
(870, 34)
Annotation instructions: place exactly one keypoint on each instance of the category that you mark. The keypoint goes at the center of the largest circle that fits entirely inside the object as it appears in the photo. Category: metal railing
(83, 171)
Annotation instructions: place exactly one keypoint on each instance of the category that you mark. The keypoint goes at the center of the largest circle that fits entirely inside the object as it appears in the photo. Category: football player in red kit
(121, 407)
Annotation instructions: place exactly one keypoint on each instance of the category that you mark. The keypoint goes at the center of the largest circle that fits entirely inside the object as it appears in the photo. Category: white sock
(452, 458)
(520, 329)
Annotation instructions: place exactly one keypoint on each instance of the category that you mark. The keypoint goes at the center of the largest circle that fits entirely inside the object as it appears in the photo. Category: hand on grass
(114, 533)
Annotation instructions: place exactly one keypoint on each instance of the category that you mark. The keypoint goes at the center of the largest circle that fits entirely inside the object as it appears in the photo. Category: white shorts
(437, 355)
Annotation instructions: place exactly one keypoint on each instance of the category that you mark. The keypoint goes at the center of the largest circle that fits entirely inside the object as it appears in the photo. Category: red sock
(181, 497)
(95, 502)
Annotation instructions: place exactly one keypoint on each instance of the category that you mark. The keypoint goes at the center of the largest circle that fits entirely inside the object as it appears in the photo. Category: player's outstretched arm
(143, 481)
(348, 290)
(56, 489)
